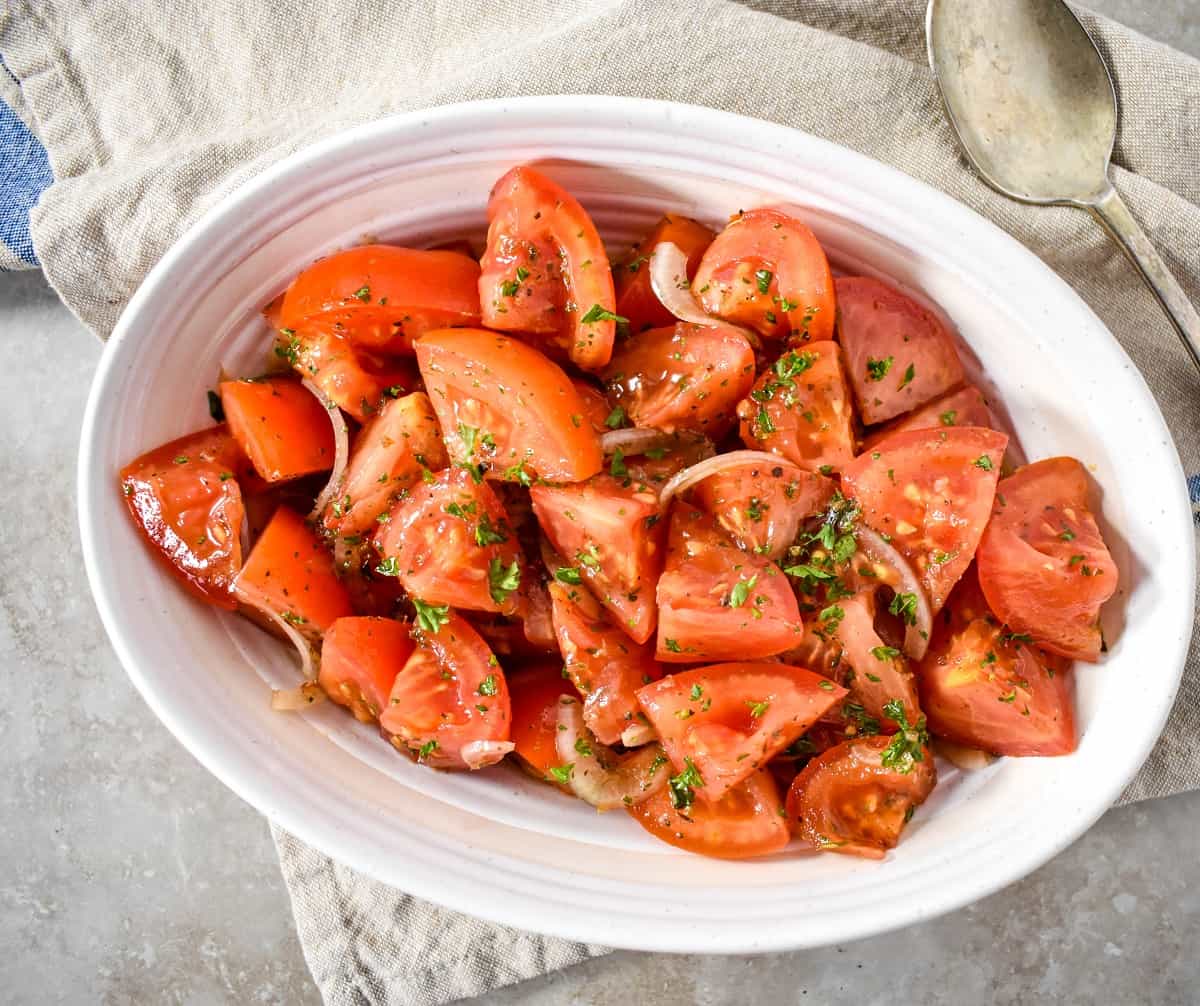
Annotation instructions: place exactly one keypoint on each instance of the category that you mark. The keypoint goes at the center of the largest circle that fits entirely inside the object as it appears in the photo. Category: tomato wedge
(611, 537)
(384, 297)
(449, 706)
(716, 602)
(184, 498)
(636, 300)
(1043, 563)
(360, 658)
(596, 412)
(292, 573)
(766, 270)
(964, 407)
(761, 506)
(534, 692)
(686, 377)
(931, 492)
(988, 688)
(746, 822)
(605, 665)
(800, 409)
(856, 798)
(449, 542)
(721, 723)
(545, 270)
(281, 426)
(898, 354)
(386, 460)
(505, 406)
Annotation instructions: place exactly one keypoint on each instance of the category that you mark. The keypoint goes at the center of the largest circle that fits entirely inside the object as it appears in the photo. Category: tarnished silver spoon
(1030, 98)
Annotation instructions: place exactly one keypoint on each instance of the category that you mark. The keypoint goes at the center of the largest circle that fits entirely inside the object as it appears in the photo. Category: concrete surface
(132, 876)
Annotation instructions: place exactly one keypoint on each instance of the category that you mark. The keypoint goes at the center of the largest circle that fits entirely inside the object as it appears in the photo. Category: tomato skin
(605, 665)
(1043, 563)
(770, 245)
(291, 572)
(983, 688)
(846, 801)
(707, 716)
(684, 377)
(355, 379)
(964, 407)
(535, 692)
(524, 401)
(594, 405)
(935, 501)
(386, 459)
(190, 511)
(760, 506)
(746, 822)
(383, 297)
(449, 693)
(697, 617)
(360, 658)
(612, 535)
(636, 299)
(808, 418)
(545, 269)
(444, 539)
(281, 426)
(878, 322)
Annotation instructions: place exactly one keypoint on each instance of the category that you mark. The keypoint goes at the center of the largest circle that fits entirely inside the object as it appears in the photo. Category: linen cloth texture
(152, 111)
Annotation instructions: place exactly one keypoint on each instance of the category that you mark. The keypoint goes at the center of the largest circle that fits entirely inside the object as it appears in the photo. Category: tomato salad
(703, 533)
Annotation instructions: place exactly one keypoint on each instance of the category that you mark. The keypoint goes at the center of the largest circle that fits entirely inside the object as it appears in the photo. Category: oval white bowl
(496, 844)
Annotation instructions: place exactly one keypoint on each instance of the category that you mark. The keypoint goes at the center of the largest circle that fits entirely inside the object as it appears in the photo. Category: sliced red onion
(309, 662)
(668, 280)
(480, 754)
(341, 452)
(635, 441)
(637, 734)
(684, 480)
(290, 700)
(916, 636)
(966, 758)
(597, 774)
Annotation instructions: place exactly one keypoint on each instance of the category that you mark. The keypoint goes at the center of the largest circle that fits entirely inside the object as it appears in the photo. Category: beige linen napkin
(152, 110)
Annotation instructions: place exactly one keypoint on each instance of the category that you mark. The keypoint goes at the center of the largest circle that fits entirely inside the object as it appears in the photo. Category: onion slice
(480, 754)
(309, 661)
(597, 774)
(668, 280)
(341, 452)
(684, 480)
(635, 440)
(966, 758)
(289, 700)
(637, 734)
(916, 636)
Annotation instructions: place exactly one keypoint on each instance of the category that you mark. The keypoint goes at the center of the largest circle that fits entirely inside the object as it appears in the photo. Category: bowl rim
(338, 843)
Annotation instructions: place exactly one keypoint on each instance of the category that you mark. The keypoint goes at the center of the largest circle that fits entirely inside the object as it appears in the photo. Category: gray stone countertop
(130, 875)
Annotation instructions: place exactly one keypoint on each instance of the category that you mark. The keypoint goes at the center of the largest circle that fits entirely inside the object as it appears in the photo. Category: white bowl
(500, 846)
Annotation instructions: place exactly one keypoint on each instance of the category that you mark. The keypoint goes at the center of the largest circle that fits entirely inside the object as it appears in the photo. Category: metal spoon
(1034, 108)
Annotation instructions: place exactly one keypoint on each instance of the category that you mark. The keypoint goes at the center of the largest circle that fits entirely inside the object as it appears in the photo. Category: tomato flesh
(729, 720)
(355, 379)
(360, 658)
(535, 692)
(1043, 563)
(280, 425)
(964, 407)
(184, 499)
(636, 300)
(766, 270)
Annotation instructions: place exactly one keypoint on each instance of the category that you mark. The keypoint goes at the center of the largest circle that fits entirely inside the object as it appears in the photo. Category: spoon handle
(1111, 211)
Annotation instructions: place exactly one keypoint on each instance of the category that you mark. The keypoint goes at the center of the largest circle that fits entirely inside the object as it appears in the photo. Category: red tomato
(1043, 563)
(449, 706)
(800, 409)
(384, 297)
(682, 450)
(964, 407)
(898, 354)
(386, 461)
(687, 377)
(292, 573)
(852, 799)
(449, 542)
(184, 499)
(545, 270)
(535, 692)
(354, 379)
(507, 407)
(716, 602)
(636, 300)
(986, 688)
(611, 536)
(596, 412)
(931, 491)
(725, 721)
(371, 592)
(360, 658)
(762, 505)
(604, 664)
(282, 427)
(767, 271)
(746, 822)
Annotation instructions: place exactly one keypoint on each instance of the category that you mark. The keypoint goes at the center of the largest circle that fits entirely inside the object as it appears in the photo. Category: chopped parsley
(905, 606)
(884, 652)
(503, 580)
(908, 744)
(567, 574)
(486, 534)
(363, 293)
(488, 686)
(683, 786)
(389, 567)
(431, 617)
(949, 417)
(763, 278)
(758, 708)
(877, 369)
(741, 591)
(597, 313)
(673, 646)
(562, 773)
(426, 749)
(616, 418)
(909, 374)
(984, 462)
(617, 469)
